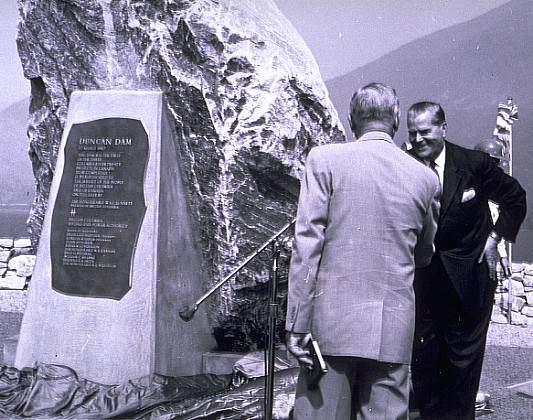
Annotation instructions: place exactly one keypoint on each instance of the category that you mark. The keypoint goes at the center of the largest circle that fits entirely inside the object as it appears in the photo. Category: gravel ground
(504, 367)
(508, 362)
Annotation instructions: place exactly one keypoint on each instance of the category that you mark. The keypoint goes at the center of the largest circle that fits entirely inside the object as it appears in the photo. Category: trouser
(448, 352)
(355, 388)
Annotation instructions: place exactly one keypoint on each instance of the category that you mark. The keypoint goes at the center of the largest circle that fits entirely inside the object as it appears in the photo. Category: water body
(13, 220)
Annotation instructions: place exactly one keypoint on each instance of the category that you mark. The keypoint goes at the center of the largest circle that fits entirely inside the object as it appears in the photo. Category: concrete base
(10, 350)
(220, 363)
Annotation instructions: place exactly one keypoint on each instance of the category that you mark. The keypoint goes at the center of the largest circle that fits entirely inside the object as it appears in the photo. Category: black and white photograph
(200, 196)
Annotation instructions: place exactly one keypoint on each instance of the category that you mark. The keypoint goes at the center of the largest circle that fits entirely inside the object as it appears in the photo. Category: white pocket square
(468, 195)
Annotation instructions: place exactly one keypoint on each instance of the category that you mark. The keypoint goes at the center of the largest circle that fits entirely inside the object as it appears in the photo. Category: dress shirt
(438, 165)
(495, 212)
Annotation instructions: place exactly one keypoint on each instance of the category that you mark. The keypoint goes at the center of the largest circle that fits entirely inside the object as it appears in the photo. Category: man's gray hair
(375, 102)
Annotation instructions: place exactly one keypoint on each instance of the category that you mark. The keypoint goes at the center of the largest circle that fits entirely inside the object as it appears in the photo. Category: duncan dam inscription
(99, 208)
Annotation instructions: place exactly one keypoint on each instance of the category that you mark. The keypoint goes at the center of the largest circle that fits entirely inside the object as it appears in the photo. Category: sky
(342, 35)
(346, 34)
(13, 85)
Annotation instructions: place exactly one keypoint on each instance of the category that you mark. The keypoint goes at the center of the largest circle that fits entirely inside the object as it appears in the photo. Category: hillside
(469, 69)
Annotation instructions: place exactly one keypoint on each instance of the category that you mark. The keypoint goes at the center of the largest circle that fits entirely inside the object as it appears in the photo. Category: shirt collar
(441, 158)
(375, 135)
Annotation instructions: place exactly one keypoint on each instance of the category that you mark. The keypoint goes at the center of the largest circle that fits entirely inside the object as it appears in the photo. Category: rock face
(245, 92)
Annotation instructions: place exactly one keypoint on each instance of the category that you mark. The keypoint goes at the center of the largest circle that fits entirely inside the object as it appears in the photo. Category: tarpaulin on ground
(54, 391)
(245, 402)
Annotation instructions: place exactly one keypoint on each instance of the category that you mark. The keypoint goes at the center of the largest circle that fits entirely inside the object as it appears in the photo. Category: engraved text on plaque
(99, 208)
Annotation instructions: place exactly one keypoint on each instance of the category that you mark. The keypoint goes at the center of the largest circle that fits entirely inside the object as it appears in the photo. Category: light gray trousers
(355, 388)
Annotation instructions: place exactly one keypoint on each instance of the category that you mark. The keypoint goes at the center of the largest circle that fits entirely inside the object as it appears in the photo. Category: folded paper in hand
(319, 365)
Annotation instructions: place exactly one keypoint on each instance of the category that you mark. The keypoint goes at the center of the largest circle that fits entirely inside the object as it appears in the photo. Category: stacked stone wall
(17, 259)
(520, 297)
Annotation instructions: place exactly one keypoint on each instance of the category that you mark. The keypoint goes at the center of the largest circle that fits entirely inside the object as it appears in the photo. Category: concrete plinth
(117, 257)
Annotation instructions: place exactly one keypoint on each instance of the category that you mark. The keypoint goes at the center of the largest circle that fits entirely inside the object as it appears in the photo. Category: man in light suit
(366, 216)
(455, 292)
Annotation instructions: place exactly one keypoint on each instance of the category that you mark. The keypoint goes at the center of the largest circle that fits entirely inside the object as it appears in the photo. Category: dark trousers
(448, 349)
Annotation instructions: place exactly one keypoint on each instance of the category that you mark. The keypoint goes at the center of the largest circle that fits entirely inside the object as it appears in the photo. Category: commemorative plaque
(119, 254)
(99, 208)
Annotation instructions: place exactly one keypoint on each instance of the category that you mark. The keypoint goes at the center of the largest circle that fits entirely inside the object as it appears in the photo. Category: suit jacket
(471, 179)
(367, 213)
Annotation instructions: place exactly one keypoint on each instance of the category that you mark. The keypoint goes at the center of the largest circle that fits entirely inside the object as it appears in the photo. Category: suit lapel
(452, 177)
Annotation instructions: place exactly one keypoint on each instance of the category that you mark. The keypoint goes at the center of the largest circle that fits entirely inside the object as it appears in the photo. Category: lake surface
(13, 221)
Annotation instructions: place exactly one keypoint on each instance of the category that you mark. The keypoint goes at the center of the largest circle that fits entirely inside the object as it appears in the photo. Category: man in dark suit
(455, 292)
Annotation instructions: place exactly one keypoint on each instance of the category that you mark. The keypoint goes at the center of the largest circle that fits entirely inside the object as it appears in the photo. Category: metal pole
(187, 313)
(510, 247)
(272, 317)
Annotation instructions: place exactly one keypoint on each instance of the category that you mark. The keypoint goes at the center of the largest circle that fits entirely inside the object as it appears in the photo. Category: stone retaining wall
(17, 259)
(521, 297)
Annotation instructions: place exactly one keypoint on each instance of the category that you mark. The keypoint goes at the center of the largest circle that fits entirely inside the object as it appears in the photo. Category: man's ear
(444, 128)
(351, 122)
(397, 121)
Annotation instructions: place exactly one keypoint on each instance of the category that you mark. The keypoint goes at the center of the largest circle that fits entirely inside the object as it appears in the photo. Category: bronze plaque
(99, 208)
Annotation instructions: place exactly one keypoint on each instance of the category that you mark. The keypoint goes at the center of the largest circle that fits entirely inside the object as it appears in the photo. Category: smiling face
(426, 135)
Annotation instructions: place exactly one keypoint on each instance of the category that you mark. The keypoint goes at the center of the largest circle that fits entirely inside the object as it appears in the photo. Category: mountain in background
(469, 69)
(17, 185)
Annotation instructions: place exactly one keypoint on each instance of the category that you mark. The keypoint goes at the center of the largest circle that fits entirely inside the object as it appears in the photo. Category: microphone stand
(272, 317)
(187, 313)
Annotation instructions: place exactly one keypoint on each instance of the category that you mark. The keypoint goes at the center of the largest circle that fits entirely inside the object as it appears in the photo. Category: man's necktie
(433, 167)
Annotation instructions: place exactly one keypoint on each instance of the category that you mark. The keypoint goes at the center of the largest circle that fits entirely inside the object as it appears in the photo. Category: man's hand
(295, 344)
(506, 267)
(490, 252)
